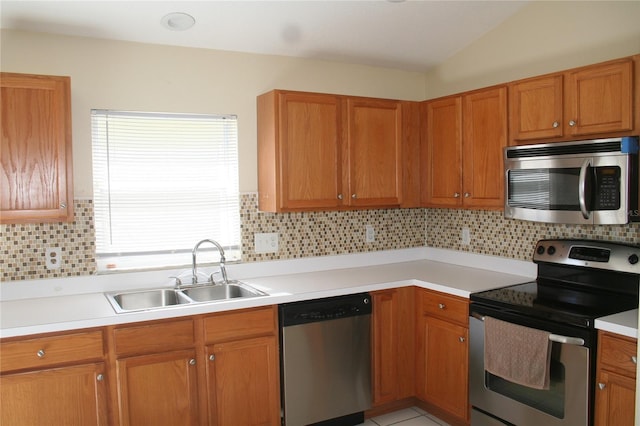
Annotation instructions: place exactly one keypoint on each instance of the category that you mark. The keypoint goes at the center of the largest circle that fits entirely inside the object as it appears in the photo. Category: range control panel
(589, 253)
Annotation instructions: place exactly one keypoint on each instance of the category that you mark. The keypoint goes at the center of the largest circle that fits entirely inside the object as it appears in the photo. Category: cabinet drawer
(446, 307)
(240, 324)
(618, 353)
(154, 337)
(51, 350)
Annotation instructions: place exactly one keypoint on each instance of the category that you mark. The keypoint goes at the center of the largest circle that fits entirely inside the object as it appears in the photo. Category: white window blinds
(163, 182)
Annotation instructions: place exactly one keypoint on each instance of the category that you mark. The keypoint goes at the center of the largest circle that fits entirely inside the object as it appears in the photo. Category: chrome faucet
(194, 267)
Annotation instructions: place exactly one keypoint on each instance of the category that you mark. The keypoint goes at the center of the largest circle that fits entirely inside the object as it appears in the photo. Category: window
(161, 183)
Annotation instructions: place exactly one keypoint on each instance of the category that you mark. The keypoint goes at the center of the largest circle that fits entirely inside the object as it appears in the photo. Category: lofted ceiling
(413, 35)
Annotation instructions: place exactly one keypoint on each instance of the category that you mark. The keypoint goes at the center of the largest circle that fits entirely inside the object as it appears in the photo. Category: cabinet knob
(354, 196)
(572, 123)
(634, 359)
(192, 361)
(467, 195)
(461, 339)
(441, 305)
(63, 205)
(456, 195)
(340, 197)
(100, 377)
(41, 353)
(212, 357)
(555, 124)
(601, 386)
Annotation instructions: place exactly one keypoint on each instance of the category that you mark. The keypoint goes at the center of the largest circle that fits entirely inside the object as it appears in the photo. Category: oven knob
(551, 250)
(633, 259)
(540, 250)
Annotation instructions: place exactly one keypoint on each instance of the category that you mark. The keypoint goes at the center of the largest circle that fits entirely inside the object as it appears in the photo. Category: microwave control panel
(607, 180)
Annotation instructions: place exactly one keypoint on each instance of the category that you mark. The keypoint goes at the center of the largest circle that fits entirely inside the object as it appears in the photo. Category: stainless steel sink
(140, 300)
(146, 299)
(232, 290)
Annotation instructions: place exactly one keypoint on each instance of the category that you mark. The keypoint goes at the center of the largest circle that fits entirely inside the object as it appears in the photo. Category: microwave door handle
(582, 187)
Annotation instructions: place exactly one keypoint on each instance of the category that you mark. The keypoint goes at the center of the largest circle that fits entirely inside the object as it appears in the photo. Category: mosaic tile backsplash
(308, 234)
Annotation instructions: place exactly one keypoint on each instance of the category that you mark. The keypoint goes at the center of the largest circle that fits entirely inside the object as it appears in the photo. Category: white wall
(134, 76)
(543, 37)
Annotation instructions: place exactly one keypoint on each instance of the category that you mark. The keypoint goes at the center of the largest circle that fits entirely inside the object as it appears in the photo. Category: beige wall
(543, 37)
(134, 76)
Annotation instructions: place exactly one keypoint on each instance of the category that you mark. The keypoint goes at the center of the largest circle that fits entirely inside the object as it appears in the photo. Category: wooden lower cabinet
(616, 380)
(158, 389)
(70, 396)
(442, 355)
(392, 346)
(219, 369)
(54, 379)
(242, 382)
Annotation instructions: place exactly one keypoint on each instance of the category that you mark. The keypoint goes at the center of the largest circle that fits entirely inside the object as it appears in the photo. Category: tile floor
(413, 416)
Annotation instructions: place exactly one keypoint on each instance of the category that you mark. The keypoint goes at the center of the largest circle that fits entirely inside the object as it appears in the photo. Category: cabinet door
(599, 99)
(484, 137)
(35, 180)
(242, 383)
(310, 133)
(59, 396)
(442, 366)
(442, 182)
(615, 400)
(374, 147)
(393, 328)
(158, 389)
(536, 108)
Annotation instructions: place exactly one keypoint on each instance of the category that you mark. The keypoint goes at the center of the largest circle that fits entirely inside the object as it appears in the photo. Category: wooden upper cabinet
(327, 152)
(462, 150)
(374, 159)
(592, 101)
(299, 150)
(536, 108)
(483, 138)
(442, 152)
(599, 99)
(36, 179)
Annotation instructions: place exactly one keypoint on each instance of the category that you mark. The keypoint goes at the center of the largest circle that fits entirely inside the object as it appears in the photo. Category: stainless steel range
(533, 363)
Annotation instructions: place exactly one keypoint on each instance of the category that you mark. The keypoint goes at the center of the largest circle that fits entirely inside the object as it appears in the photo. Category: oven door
(496, 401)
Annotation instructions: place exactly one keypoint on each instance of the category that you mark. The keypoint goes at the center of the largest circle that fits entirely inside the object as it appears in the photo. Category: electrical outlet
(466, 236)
(369, 234)
(266, 242)
(53, 257)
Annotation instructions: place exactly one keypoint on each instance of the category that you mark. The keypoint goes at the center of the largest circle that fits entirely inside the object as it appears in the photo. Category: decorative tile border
(308, 234)
(492, 234)
(22, 246)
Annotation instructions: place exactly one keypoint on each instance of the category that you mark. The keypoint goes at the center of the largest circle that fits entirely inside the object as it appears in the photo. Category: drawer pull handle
(212, 357)
(601, 386)
(40, 353)
(100, 377)
(192, 362)
(441, 305)
(555, 124)
(572, 123)
(634, 359)
(461, 339)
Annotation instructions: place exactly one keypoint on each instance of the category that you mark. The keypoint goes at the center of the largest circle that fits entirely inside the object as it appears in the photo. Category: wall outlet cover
(53, 257)
(266, 242)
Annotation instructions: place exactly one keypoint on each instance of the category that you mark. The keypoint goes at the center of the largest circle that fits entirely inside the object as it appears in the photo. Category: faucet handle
(178, 280)
(211, 280)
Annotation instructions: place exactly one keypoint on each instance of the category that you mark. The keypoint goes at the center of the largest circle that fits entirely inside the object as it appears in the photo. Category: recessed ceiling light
(178, 21)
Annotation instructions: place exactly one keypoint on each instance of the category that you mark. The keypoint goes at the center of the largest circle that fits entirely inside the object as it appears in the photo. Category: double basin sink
(139, 300)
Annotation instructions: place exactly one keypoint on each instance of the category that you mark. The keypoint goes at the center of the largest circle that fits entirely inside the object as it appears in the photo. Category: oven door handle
(578, 341)
(566, 340)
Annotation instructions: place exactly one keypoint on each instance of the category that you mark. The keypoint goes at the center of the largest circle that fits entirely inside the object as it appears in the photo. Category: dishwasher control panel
(324, 309)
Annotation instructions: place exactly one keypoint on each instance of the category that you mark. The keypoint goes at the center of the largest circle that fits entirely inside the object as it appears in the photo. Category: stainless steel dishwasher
(326, 360)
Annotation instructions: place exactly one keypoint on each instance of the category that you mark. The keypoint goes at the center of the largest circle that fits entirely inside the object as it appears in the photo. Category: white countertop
(624, 323)
(41, 306)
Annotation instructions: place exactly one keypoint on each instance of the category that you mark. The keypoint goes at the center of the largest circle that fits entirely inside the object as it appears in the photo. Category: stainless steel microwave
(585, 182)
